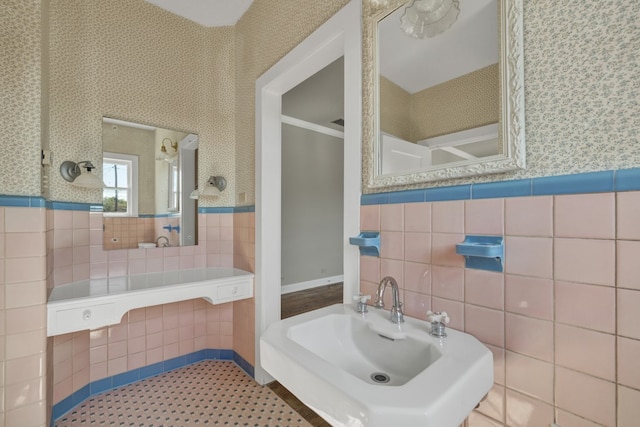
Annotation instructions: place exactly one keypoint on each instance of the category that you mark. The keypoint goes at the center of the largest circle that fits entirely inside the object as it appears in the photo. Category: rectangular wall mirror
(149, 173)
(445, 93)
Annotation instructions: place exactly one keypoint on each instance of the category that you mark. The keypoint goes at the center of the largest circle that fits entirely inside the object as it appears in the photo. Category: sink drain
(380, 377)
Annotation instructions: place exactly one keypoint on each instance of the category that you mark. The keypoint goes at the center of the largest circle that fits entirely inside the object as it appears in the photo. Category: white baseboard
(302, 286)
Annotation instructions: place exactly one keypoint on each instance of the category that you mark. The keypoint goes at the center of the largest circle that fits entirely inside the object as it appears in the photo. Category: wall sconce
(428, 18)
(72, 173)
(217, 184)
(194, 194)
(168, 155)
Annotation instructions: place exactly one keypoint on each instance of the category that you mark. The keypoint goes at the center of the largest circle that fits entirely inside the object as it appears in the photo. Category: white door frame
(339, 36)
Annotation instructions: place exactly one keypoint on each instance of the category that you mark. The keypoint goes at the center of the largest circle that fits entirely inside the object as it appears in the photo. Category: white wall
(312, 205)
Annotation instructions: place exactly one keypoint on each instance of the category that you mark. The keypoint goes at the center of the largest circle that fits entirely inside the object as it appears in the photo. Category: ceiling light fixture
(428, 18)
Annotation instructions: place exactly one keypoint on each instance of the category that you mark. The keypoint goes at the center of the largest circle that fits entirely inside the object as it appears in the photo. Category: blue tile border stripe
(40, 202)
(590, 182)
(96, 387)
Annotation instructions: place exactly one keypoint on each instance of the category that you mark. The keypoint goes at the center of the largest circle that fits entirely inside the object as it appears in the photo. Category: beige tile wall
(561, 321)
(23, 349)
(150, 335)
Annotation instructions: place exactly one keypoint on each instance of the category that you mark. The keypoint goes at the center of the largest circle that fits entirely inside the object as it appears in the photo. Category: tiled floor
(208, 393)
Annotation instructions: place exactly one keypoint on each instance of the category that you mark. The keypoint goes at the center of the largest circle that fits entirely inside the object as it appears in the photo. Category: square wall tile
(628, 408)
(586, 396)
(484, 216)
(529, 256)
(533, 337)
(370, 269)
(529, 296)
(447, 282)
(392, 217)
(567, 419)
(447, 217)
(370, 217)
(586, 306)
(585, 261)
(417, 278)
(443, 249)
(524, 411)
(629, 313)
(485, 324)
(628, 206)
(586, 351)
(628, 359)
(628, 267)
(392, 245)
(589, 216)
(484, 288)
(530, 376)
(24, 220)
(417, 217)
(417, 247)
(529, 216)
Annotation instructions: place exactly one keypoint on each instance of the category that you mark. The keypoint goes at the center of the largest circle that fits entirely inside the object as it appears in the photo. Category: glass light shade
(194, 194)
(428, 18)
(88, 180)
(211, 191)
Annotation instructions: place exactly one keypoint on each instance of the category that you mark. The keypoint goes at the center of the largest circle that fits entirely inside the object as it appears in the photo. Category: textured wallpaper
(395, 109)
(582, 86)
(20, 97)
(267, 32)
(463, 103)
(130, 60)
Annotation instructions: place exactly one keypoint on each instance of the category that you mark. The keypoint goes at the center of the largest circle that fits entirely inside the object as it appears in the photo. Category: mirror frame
(511, 125)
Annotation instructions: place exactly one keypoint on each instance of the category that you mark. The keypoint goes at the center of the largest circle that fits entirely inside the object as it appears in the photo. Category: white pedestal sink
(362, 370)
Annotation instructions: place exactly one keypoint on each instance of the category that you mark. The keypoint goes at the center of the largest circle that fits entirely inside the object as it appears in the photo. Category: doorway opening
(338, 37)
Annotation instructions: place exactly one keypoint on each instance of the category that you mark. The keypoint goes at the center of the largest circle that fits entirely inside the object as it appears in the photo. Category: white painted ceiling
(209, 13)
(416, 64)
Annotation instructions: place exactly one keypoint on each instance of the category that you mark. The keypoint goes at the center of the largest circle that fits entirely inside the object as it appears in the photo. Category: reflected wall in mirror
(149, 173)
(446, 106)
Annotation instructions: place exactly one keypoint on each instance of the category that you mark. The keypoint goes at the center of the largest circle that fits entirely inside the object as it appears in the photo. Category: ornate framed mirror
(441, 103)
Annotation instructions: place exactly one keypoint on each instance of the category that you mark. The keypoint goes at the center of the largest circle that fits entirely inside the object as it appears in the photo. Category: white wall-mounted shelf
(95, 303)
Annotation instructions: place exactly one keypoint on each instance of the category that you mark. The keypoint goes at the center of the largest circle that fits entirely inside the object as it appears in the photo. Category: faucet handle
(362, 298)
(361, 302)
(437, 317)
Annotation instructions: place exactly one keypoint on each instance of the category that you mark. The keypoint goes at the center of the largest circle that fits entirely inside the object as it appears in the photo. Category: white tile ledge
(95, 303)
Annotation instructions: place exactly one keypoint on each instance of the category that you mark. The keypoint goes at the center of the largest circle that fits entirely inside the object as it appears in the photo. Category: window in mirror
(174, 187)
(120, 172)
(158, 187)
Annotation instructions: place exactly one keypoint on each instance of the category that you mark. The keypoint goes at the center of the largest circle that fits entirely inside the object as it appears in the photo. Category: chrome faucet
(396, 310)
(165, 244)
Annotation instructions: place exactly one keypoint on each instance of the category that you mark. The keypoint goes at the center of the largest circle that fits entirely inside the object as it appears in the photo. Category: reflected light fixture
(194, 194)
(428, 18)
(72, 173)
(168, 155)
(217, 184)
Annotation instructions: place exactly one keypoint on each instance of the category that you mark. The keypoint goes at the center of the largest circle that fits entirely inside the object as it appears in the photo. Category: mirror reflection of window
(120, 196)
(174, 187)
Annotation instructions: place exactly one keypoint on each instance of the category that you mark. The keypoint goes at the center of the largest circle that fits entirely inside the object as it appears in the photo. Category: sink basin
(362, 370)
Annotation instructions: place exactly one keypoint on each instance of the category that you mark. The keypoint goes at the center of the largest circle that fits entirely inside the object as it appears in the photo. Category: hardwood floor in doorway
(297, 303)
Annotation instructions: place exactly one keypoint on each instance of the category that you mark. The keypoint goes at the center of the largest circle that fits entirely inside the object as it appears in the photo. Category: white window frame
(132, 189)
